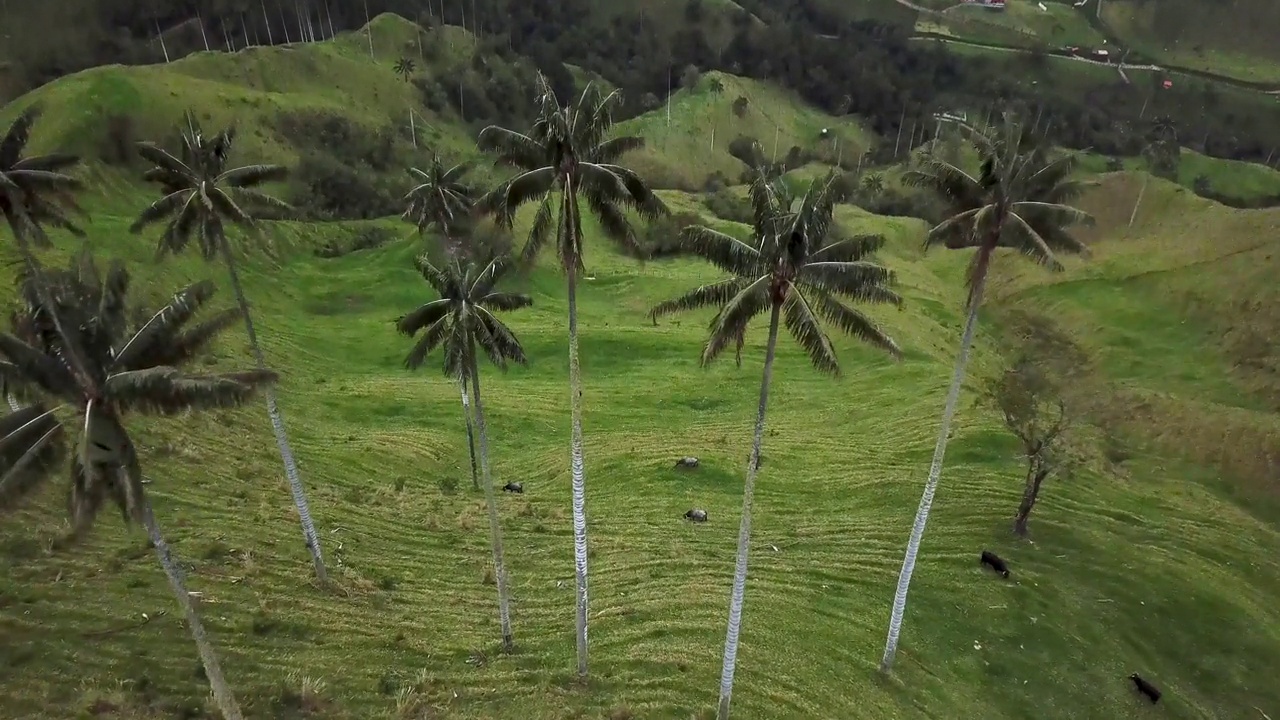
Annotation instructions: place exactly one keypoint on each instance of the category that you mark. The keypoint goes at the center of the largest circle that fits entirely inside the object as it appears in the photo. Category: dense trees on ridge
(73, 343)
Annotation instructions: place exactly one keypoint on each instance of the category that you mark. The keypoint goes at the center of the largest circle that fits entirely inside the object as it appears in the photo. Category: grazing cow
(696, 515)
(1146, 688)
(513, 487)
(687, 463)
(995, 562)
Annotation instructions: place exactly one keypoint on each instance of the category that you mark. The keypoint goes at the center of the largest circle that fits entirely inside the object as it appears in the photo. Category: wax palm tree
(405, 67)
(36, 193)
(201, 196)
(1019, 200)
(442, 200)
(567, 156)
(130, 370)
(798, 272)
(462, 323)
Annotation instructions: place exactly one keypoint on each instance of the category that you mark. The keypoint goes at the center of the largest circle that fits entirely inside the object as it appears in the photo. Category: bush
(727, 206)
(367, 238)
(118, 140)
(325, 187)
(661, 237)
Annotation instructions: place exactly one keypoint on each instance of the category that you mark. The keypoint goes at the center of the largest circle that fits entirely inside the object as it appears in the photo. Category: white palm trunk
(14, 405)
(277, 425)
(935, 474)
(222, 695)
(471, 439)
(579, 479)
(744, 528)
(1134, 216)
(495, 527)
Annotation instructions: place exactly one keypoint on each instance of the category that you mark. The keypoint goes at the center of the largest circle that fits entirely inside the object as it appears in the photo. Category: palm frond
(497, 341)
(852, 323)
(730, 325)
(252, 176)
(429, 341)
(186, 347)
(726, 252)
(716, 294)
(161, 209)
(160, 330)
(52, 162)
(36, 367)
(426, 315)
(612, 150)
(164, 161)
(513, 149)
(167, 391)
(802, 323)
(16, 137)
(31, 445)
(504, 302)
(857, 280)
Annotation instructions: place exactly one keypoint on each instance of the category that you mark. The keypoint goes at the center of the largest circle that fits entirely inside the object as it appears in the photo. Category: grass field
(1229, 177)
(1235, 38)
(1164, 561)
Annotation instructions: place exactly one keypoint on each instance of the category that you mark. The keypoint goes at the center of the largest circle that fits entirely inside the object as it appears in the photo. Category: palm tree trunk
(935, 471)
(222, 695)
(1143, 191)
(495, 528)
(471, 439)
(744, 529)
(14, 405)
(277, 424)
(579, 479)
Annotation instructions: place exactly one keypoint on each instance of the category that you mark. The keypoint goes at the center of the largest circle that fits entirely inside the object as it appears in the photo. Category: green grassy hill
(1161, 559)
(1235, 38)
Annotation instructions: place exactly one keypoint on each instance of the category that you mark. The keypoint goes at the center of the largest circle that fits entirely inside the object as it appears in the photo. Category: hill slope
(1167, 565)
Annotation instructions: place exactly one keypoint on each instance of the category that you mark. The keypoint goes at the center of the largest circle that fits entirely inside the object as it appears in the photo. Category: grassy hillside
(1246, 181)
(1162, 558)
(696, 142)
(1232, 38)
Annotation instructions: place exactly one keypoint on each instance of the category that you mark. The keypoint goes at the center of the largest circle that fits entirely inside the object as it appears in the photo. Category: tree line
(871, 67)
(75, 365)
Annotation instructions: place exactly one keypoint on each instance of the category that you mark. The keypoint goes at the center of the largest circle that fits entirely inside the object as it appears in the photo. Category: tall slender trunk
(277, 423)
(14, 405)
(935, 471)
(267, 22)
(576, 463)
(1036, 473)
(222, 695)
(744, 528)
(1134, 216)
(471, 438)
(495, 527)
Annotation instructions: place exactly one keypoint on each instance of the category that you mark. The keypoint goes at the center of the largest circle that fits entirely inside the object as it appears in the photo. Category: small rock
(696, 515)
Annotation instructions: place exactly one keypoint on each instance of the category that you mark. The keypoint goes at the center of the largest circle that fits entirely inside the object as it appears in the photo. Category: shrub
(118, 140)
(367, 238)
(727, 206)
(661, 237)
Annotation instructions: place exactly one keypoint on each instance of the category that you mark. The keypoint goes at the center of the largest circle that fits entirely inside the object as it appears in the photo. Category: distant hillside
(1233, 37)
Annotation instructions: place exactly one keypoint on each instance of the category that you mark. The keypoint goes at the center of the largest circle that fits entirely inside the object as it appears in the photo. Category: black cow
(1146, 688)
(696, 515)
(513, 487)
(995, 562)
(687, 463)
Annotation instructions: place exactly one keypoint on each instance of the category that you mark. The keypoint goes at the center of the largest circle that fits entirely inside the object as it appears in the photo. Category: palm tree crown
(130, 370)
(34, 192)
(439, 197)
(463, 318)
(201, 194)
(792, 261)
(1018, 199)
(568, 150)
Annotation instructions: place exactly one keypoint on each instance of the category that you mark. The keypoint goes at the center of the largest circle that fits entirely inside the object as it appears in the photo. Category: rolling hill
(1157, 554)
